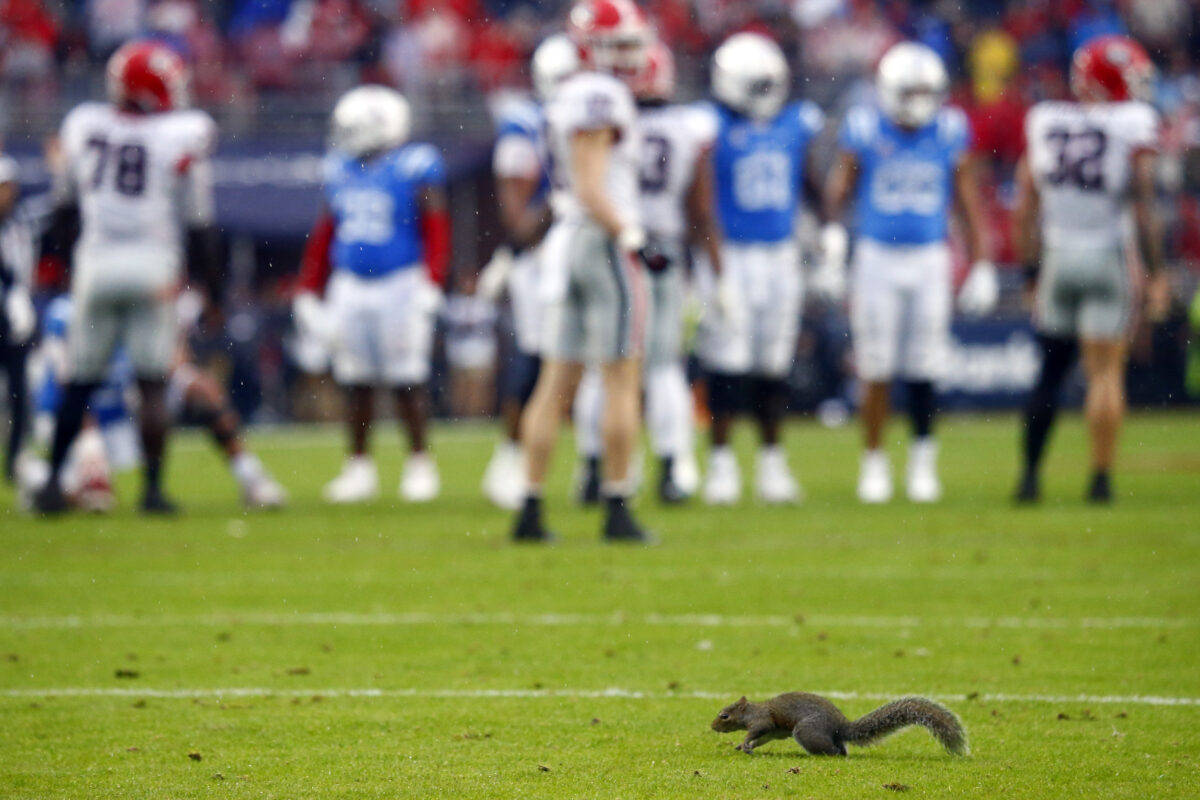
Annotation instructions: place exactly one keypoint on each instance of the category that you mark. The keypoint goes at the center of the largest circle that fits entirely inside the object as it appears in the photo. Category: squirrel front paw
(745, 747)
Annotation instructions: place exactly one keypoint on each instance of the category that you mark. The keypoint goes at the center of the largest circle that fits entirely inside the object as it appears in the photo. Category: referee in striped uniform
(18, 319)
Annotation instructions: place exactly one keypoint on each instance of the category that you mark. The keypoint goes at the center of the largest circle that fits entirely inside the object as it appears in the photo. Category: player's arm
(435, 231)
(1025, 218)
(203, 238)
(590, 153)
(830, 278)
(524, 222)
(699, 205)
(316, 264)
(970, 208)
(1149, 232)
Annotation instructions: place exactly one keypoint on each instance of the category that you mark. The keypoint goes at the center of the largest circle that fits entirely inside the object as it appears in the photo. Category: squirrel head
(732, 717)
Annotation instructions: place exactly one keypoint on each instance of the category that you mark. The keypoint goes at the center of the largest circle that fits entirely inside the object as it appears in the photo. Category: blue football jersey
(524, 118)
(906, 178)
(758, 168)
(376, 207)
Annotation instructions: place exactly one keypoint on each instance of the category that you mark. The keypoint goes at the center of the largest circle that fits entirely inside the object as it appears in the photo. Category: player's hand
(1158, 297)
(22, 316)
(980, 290)
(653, 257)
(431, 298)
(495, 274)
(313, 319)
(829, 280)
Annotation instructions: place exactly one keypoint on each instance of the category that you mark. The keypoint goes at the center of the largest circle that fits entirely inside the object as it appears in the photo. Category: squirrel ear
(742, 700)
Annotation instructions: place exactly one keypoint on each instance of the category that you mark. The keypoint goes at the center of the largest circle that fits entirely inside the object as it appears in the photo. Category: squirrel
(821, 729)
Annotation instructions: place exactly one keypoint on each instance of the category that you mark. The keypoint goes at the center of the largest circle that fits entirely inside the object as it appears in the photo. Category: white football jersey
(591, 101)
(673, 137)
(1080, 155)
(139, 180)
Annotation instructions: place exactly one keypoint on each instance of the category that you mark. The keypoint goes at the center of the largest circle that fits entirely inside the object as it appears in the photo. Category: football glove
(980, 290)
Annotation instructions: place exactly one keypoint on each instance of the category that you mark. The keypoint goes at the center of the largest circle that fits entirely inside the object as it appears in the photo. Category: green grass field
(389, 651)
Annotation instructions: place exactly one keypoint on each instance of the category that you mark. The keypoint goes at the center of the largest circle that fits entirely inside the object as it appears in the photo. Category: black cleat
(621, 527)
(589, 485)
(1100, 490)
(529, 528)
(50, 499)
(155, 502)
(1029, 490)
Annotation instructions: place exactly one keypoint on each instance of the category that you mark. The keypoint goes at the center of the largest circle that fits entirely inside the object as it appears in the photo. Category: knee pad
(726, 392)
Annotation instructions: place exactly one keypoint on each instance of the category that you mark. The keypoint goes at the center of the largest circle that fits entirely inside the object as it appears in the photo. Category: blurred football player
(593, 259)
(107, 445)
(1085, 189)
(760, 168)
(522, 198)
(380, 252)
(136, 170)
(677, 210)
(906, 163)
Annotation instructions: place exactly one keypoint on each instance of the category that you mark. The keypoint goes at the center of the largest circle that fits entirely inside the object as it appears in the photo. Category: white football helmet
(750, 75)
(912, 84)
(370, 119)
(554, 60)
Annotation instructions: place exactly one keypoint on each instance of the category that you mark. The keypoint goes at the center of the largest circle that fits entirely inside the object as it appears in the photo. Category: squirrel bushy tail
(887, 719)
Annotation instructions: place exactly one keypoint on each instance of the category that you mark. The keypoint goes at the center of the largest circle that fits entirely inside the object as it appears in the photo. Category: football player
(593, 259)
(522, 198)
(136, 171)
(107, 445)
(677, 210)
(18, 319)
(380, 252)
(1085, 188)
(906, 163)
(759, 163)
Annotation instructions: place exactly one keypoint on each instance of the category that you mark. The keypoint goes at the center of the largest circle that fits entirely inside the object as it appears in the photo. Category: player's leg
(1041, 411)
(151, 336)
(356, 369)
(405, 341)
(923, 353)
(503, 480)
(195, 395)
(668, 400)
(587, 414)
(876, 302)
(1056, 308)
(724, 348)
(91, 341)
(776, 314)
(539, 433)
(13, 358)
(1104, 408)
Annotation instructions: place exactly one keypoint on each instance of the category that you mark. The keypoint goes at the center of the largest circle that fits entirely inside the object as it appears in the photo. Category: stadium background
(270, 70)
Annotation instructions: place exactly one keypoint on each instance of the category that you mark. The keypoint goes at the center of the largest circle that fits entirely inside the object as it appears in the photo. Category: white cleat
(874, 478)
(922, 478)
(504, 478)
(357, 483)
(420, 482)
(265, 493)
(775, 484)
(723, 486)
(685, 473)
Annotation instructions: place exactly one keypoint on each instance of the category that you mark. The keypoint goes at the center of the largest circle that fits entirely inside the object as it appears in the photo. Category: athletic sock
(246, 468)
(1058, 355)
(921, 407)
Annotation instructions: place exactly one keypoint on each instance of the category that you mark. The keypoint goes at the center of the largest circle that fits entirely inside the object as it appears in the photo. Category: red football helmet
(657, 78)
(1110, 69)
(147, 76)
(612, 35)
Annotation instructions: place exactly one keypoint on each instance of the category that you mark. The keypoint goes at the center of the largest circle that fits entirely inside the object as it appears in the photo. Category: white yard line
(351, 619)
(236, 692)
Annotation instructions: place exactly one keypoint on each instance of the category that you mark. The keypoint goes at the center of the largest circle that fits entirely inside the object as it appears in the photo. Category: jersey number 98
(762, 182)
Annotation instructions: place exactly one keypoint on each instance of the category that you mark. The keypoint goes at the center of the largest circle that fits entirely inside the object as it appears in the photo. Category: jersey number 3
(1079, 158)
(130, 170)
